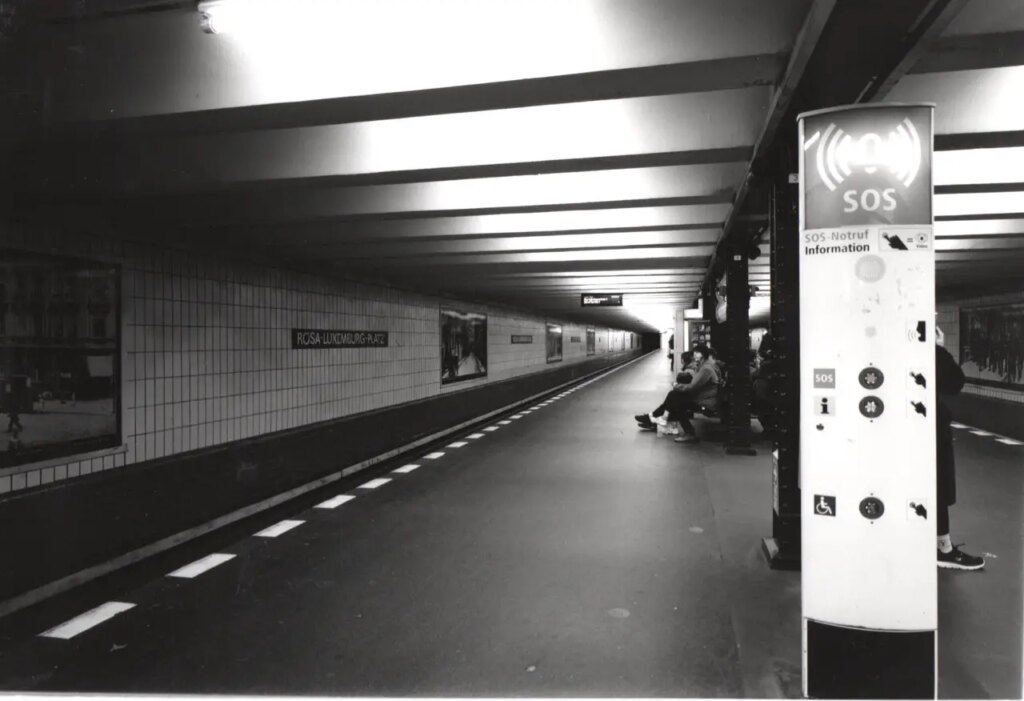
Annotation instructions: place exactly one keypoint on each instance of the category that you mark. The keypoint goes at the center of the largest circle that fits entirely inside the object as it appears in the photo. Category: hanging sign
(867, 443)
(595, 299)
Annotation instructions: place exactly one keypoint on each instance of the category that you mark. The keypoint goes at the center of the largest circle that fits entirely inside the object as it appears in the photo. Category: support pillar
(737, 354)
(782, 548)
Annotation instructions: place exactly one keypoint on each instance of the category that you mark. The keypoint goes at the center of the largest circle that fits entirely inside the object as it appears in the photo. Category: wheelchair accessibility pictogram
(824, 505)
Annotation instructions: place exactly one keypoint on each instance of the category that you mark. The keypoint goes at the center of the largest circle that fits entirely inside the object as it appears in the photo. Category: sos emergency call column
(867, 413)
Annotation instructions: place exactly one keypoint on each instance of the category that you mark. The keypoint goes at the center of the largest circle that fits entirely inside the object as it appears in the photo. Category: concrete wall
(206, 354)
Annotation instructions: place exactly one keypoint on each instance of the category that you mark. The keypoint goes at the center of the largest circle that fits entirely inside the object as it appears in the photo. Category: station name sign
(303, 339)
(596, 299)
(522, 339)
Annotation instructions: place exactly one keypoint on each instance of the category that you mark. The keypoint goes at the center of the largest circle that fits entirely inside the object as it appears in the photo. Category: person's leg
(942, 528)
(950, 556)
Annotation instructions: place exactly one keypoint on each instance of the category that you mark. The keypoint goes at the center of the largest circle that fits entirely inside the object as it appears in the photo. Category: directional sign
(601, 299)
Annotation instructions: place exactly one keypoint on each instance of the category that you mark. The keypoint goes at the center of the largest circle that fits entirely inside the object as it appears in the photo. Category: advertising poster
(553, 336)
(992, 345)
(463, 346)
(591, 342)
(59, 351)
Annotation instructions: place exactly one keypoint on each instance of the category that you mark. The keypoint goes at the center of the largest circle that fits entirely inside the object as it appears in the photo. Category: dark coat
(949, 380)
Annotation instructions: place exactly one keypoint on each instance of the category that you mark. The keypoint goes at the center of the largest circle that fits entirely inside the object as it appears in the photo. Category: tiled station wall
(206, 351)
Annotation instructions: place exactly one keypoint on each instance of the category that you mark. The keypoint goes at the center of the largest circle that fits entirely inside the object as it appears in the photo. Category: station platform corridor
(555, 550)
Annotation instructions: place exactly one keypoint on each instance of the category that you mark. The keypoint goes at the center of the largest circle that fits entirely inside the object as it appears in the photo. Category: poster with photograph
(59, 353)
(463, 346)
(992, 345)
(591, 342)
(554, 342)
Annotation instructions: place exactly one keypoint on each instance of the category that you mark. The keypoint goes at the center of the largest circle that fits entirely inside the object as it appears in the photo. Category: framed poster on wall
(463, 345)
(992, 345)
(553, 337)
(60, 387)
(591, 342)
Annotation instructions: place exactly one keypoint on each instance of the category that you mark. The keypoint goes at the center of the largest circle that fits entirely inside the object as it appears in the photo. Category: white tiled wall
(948, 319)
(207, 358)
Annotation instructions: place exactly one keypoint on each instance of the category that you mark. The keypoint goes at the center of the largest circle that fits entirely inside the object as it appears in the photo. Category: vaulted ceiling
(522, 152)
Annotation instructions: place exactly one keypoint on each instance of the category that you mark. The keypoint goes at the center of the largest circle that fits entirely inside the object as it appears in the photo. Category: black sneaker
(957, 559)
(645, 422)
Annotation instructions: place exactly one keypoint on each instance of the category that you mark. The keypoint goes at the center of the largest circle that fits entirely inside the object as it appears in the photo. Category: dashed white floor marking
(279, 528)
(535, 408)
(458, 444)
(433, 456)
(335, 502)
(201, 565)
(492, 428)
(89, 619)
(954, 424)
(406, 469)
(474, 436)
(373, 484)
(517, 416)
(981, 433)
(504, 422)
(1008, 441)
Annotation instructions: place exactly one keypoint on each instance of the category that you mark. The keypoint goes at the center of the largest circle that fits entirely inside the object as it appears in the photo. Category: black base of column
(854, 663)
(780, 556)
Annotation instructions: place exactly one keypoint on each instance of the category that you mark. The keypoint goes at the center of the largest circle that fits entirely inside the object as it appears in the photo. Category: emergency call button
(871, 508)
(871, 407)
(870, 378)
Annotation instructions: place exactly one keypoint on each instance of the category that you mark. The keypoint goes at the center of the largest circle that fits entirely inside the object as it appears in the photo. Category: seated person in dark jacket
(685, 398)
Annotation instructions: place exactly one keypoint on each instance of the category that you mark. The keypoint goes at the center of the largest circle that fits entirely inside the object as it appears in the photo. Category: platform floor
(562, 554)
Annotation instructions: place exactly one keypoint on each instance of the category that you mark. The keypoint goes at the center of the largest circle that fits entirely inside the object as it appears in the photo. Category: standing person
(949, 380)
(684, 399)
(671, 353)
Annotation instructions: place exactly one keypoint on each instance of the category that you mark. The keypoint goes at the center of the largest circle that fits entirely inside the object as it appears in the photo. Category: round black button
(870, 378)
(871, 407)
(872, 508)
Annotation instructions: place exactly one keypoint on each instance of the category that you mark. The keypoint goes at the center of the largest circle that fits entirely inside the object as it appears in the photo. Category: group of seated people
(695, 389)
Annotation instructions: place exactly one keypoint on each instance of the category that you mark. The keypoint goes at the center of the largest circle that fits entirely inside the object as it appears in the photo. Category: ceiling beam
(803, 48)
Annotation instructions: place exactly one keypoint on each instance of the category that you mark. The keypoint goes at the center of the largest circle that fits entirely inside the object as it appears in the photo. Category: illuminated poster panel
(59, 357)
(463, 345)
(591, 342)
(867, 415)
(992, 345)
(553, 338)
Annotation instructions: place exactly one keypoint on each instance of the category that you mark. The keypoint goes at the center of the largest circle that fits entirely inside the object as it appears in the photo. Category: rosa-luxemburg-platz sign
(867, 402)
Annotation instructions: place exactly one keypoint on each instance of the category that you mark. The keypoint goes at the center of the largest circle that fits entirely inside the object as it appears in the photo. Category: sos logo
(838, 155)
(870, 200)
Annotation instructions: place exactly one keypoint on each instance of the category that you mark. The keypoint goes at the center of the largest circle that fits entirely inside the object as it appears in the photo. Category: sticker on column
(824, 505)
(917, 509)
(917, 331)
(906, 240)
(825, 378)
(917, 408)
(871, 407)
(916, 380)
(825, 405)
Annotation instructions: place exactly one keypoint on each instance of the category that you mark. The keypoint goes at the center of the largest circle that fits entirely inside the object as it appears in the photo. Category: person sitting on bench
(698, 394)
